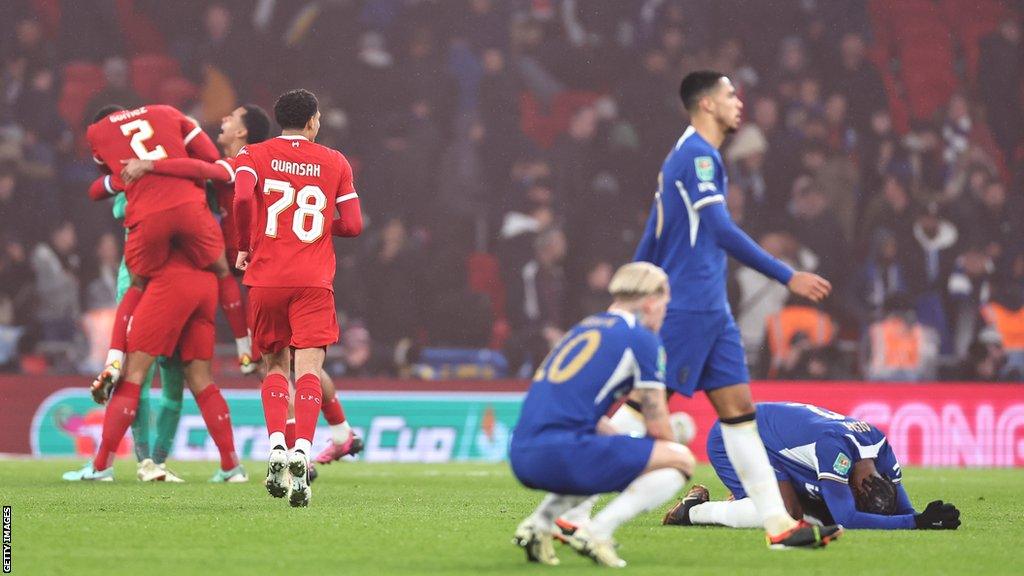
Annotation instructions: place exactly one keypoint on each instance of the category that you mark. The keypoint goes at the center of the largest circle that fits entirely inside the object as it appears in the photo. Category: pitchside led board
(934, 424)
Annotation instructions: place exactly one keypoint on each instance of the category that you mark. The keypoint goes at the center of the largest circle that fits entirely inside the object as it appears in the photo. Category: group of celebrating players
(595, 419)
(176, 256)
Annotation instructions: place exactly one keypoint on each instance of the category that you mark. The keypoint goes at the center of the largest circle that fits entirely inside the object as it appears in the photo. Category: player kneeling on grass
(564, 445)
(174, 316)
(829, 467)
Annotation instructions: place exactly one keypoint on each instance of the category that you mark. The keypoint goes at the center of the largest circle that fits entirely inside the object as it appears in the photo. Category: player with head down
(689, 233)
(563, 443)
(828, 466)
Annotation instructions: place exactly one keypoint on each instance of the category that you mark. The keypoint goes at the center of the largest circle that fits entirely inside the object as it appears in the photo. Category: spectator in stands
(746, 158)
(393, 277)
(36, 105)
(857, 79)
(57, 267)
(1000, 73)
(361, 357)
(101, 291)
(930, 263)
(758, 297)
(814, 224)
(898, 347)
(797, 335)
(1004, 314)
(537, 306)
(879, 150)
(17, 284)
(499, 112)
(891, 210)
(595, 298)
(993, 222)
(969, 286)
(884, 276)
(118, 88)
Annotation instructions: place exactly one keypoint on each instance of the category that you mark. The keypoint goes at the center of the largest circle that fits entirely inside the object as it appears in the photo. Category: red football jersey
(148, 133)
(298, 185)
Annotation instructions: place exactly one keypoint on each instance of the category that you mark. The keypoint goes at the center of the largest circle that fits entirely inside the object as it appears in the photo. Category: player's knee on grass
(137, 366)
(671, 455)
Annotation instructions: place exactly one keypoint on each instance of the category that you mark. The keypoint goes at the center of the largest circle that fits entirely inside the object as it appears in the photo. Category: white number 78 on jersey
(308, 220)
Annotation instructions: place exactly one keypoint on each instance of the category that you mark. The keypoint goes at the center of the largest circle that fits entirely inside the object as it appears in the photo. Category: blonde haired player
(564, 445)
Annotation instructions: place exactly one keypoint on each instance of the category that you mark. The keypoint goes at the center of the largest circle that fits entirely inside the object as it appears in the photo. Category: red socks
(289, 434)
(333, 412)
(218, 422)
(125, 309)
(231, 303)
(308, 400)
(118, 417)
(275, 403)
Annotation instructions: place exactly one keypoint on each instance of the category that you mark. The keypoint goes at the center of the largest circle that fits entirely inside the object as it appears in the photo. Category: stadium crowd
(506, 152)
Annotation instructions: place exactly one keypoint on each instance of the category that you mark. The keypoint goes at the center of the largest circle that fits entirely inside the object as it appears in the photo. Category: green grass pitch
(445, 519)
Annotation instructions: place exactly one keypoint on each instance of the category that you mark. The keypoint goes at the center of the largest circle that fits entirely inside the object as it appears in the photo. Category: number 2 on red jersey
(308, 219)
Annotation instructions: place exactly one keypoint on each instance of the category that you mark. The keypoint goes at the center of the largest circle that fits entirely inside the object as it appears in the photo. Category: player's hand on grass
(135, 169)
(242, 261)
(810, 286)
(938, 515)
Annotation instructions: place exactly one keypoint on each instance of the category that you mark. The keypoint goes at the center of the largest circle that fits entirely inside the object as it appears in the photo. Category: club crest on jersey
(705, 168)
(842, 464)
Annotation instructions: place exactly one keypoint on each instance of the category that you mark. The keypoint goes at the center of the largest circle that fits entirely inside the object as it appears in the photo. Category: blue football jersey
(811, 444)
(692, 177)
(598, 361)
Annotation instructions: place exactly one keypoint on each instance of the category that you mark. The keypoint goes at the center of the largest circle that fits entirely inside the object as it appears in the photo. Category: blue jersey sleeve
(650, 360)
(700, 179)
(648, 242)
(740, 246)
(843, 508)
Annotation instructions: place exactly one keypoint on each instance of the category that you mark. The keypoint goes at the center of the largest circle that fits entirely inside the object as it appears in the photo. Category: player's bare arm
(190, 168)
(655, 410)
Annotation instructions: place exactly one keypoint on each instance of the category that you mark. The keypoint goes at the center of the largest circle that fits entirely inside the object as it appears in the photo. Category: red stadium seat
(84, 72)
(149, 71)
(74, 98)
(177, 92)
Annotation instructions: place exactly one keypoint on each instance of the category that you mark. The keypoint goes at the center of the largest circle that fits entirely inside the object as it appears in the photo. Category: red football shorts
(176, 314)
(189, 228)
(296, 317)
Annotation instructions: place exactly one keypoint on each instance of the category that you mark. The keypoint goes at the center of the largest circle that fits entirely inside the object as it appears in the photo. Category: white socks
(304, 446)
(646, 493)
(340, 433)
(581, 514)
(731, 513)
(277, 439)
(749, 459)
(553, 506)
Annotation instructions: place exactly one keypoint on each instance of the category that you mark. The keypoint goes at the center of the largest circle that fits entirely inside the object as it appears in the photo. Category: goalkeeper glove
(938, 515)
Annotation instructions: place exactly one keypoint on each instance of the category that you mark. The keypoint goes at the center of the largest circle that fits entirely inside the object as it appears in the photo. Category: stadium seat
(74, 98)
(149, 71)
(84, 72)
(177, 91)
